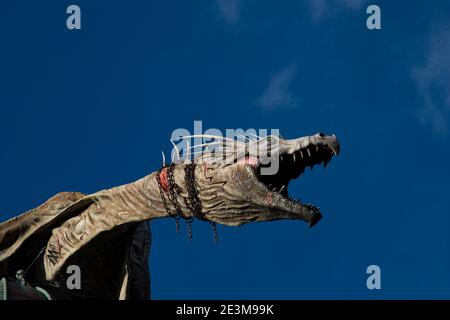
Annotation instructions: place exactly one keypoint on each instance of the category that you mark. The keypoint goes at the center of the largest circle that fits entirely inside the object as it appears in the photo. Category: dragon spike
(247, 138)
(210, 136)
(163, 159)
(243, 137)
(207, 144)
(188, 153)
(177, 152)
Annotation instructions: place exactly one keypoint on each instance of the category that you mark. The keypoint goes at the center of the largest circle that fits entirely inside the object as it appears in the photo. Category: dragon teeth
(293, 156)
(309, 152)
(301, 153)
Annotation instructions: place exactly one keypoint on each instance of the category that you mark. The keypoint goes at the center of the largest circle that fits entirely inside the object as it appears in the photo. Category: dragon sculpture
(106, 233)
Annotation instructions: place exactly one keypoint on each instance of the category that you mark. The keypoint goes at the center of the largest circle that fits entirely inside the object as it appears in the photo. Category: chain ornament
(175, 216)
(192, 202)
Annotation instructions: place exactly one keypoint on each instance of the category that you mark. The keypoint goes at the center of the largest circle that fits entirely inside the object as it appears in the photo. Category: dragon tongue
(252, 161)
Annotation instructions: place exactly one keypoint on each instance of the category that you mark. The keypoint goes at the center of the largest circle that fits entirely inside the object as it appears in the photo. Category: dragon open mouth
(292, 163)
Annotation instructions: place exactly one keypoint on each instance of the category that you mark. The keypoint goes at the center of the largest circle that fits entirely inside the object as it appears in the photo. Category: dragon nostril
(321, 134)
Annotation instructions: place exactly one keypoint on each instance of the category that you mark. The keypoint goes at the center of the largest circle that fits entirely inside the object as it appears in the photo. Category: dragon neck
(171, 192)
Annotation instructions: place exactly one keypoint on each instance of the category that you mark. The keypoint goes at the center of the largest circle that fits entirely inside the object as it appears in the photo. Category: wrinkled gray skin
(232, 191)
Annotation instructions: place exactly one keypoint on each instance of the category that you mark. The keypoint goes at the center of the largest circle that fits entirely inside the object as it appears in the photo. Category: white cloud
(351, 4)
(278, 92)
(433, 81)
(321, 8)
(229, 10)
(318, 8)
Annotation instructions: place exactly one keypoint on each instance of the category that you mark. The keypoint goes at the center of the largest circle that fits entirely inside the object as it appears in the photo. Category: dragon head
(235, 185)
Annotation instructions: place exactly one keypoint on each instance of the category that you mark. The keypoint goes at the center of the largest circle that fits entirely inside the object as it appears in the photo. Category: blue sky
(91, 109)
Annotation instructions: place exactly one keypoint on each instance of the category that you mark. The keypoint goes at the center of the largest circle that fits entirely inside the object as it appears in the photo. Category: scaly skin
(230, 194)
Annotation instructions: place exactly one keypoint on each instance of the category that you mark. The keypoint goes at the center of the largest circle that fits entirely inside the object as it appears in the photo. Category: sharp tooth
(293, 156)
(282, 188)
(301, 153)
(317, 148)
(309, 152)
(335, 152)
(281, 158)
